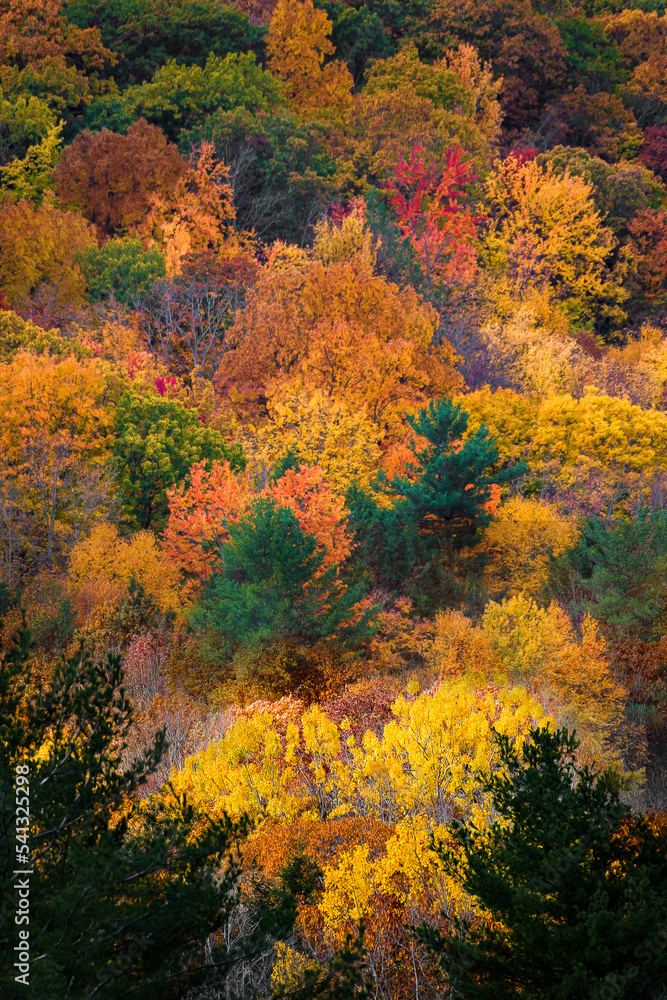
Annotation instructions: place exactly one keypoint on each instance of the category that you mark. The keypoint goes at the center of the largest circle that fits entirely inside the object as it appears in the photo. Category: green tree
(146, 34)
(416, 546)
(618, 571)
(274, 593)
(451, 477)
(180, 96)
(572, 888)
(280, 169)
(127, 897)
(157, 442)
(272, 586)
(121, 267)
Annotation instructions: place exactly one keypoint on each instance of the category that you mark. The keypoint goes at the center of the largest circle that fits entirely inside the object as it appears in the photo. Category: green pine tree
(574, 888)
(273, 595)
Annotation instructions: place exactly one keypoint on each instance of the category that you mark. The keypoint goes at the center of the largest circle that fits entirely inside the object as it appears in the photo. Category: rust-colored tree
(110, 178)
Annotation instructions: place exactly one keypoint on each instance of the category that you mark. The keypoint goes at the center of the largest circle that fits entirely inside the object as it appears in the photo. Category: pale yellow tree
(544, 231)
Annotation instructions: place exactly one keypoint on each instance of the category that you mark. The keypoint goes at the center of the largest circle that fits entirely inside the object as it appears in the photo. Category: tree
(619, 568)
(572, 889)
(148, 33)
(449, 481)
(599, 123)
(55, 433)
(523, 537)
(619, 191)
(276, 603)
(157, 442)
(121, 268)
(29, 178)
(44, 54)
(280, 168)
(184, 318)
(24, 121)
(179, 97)
(103, 565)
(127, 896)
(525, 49)
(648, 234)
(110, 178)
(432, 218)
(653, 151)
(39, 272)
(18, 335)
(544, 232)
(343, 330)
(296, 46)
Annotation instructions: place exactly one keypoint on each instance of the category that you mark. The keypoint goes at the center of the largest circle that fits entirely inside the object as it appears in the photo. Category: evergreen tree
(273, 589)
(451, 475)
(619, 572)
(437, 510)
(572, 888)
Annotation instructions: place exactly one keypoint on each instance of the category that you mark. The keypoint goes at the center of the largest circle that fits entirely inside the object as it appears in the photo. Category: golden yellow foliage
(321, 430)
(296, 44)
(523, 536)
(342, 330)
(339, 241)
(102, 565)
(545, 231)
(459, 647)
(539, 647)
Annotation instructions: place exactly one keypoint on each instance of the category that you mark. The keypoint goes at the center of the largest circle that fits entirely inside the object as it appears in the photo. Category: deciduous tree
(297, 43)
(157, 442)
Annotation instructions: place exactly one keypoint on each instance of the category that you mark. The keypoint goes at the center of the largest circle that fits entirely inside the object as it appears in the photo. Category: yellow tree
(522, 538)
(102, 565)
(297, 43)
(544, 231)
(39, 272)
(55, 431)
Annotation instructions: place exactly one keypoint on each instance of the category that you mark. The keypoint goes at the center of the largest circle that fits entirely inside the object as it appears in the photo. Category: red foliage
(653, 153)
(431, 214)
(648, 231)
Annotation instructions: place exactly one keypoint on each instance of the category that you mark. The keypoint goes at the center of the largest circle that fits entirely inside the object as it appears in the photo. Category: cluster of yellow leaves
(604, 437)
(297, 42)
(544, 231)
(539, 646)
(412, 779)
(337, 242)
(102, 565)
(319, 429)
(522, 537)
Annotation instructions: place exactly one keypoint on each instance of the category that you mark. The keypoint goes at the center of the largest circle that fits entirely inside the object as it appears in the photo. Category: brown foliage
(524, 47)
(653, 153)
(599, 123)
(110, 178)
(648, 232)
